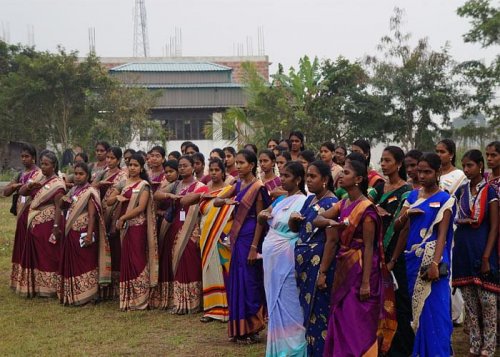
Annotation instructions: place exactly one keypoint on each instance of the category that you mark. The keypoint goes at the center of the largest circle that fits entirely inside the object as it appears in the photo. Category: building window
(186, 129)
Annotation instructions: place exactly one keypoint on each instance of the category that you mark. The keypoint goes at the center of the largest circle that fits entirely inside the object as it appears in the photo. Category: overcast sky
(292, 28)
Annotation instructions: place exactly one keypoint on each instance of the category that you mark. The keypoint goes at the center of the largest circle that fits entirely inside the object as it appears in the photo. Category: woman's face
(443, 154)
(271, 144)
(326, 155)
(315, 183)
(281, 162)
(304, 162)
(216, 174)
(471, 168)
(289, 182)
(230, 159)
(356, 148)
(492, 157)
(80, 177)
(111, 160)
(155, 159)
(388, 163)
(427, 176)
(347, 177)
(265, 162)
(411, 168)
(243, 166)
(27, 159)
(296, 143)
(46, 166)
(100, 153)
(215, 154)
(185, 169)
(126, 157)
(285, 145)
(134, 168)
(170, 174)
(340, 156)
(199, 167)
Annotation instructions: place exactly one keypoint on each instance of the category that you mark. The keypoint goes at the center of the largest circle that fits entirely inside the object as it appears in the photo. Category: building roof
(191, 85)
(171, 67)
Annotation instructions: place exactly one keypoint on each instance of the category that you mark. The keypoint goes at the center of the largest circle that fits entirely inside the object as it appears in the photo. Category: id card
(182, 215)
(23, 199)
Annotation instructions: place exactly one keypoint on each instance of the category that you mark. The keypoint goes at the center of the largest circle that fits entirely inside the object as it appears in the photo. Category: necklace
(317, 199)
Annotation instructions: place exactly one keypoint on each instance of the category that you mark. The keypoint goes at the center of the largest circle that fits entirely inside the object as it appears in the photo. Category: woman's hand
(231, 202)
(56, 231)
(88, 240)
(265, 215)
(121, 198)
(296, 216)
(252, 255)
(382, 212)
(364, 291)
(414, 212)
(321, 281)
(432, 272)
(485, 266)
(390, 265)
(119, 224)
(34, 185)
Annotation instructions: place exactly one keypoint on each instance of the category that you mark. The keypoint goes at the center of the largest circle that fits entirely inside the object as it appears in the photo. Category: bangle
(436, 264)
(485, 258)
(253, 246)
(393, 261)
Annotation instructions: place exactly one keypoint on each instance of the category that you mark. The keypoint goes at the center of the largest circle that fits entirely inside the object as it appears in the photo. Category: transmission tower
(92, 40)
(141, 41)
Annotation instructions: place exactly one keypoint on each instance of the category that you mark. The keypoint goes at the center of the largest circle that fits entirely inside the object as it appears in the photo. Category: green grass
(42, 327)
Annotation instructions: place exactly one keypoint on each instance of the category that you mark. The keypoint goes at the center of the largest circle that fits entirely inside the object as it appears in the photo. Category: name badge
(182, 215)
(23, 199)
(136, 190)
(392, 199)
(435, 204)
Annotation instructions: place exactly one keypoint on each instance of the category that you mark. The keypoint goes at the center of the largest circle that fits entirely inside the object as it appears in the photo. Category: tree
(53, 98)
(418, 82)
(481, 78)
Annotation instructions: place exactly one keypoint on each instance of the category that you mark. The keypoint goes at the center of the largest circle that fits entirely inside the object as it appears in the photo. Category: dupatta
(216, 220)
(246, 203)
(49, 189)
(79, 204)
(475, 209)
(152, 242)
(34, 175)
(187, 229)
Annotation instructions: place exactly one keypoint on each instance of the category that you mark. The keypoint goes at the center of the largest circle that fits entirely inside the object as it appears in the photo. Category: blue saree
(308, 253)
(431, 301)
(286, 333)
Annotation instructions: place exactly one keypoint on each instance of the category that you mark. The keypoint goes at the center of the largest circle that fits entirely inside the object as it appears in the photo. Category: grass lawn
(43, 327)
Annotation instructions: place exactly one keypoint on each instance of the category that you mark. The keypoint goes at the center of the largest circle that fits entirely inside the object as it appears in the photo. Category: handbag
(15, 197)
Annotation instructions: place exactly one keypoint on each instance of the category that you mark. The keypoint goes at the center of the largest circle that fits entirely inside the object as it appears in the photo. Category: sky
(292, 28)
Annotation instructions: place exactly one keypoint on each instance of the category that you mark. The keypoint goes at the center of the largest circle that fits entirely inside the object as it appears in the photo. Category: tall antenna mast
(92, 40)
(31, 36)
(141, 41)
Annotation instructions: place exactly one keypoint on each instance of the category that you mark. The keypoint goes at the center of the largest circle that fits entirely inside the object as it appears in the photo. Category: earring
(357, 184)
(324, 185)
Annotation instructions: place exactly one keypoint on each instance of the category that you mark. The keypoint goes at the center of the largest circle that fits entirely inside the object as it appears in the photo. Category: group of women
(334, 257)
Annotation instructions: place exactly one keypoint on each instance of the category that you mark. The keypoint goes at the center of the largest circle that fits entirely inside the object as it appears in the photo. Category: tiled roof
(171, 67)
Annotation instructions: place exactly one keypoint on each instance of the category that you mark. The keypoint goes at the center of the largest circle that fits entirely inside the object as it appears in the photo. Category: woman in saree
(85, 259)
(245, 290)
(39, 273)
(297, 141)
(285, 330)
(137, 228)
(314, 256)
(112, 177)
(427, 216)
(215, 252)
(475, 254)
(99, 167)
(362, 321)
(363, 147)
(411, 162)
(389, 198)
(31, 173)
(156, 172)
(327, 155)
(451, 177)
(179, 287)
(267, 163)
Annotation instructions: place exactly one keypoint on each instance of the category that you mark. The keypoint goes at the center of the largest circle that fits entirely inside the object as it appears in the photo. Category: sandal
(206, 319)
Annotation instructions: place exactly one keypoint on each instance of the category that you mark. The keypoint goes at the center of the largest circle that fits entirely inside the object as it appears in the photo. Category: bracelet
(253, 246)
(393, 260)
(436, 264)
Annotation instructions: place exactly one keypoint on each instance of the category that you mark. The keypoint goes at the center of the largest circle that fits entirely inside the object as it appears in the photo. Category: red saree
(139, 251)
(39, 273)
(83, 268)
(23, 204)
